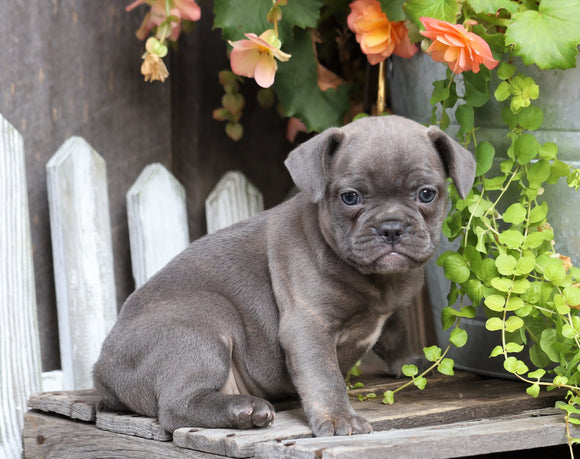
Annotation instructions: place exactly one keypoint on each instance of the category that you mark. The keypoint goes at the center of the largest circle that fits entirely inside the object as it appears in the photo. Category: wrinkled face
(384, 203)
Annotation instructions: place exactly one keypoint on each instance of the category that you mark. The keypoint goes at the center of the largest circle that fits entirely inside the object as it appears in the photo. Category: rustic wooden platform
(454, 416)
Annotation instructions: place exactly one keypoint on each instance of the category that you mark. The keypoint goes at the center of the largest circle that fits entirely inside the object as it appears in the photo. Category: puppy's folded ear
(458, 161)
(308, 163)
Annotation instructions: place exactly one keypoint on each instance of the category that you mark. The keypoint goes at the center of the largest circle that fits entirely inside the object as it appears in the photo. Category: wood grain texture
(233, 199)
(525, 431)
(74, 404)
(83, 257)
(46, 436)
(19, 342)
(157, 214)
(132, 424)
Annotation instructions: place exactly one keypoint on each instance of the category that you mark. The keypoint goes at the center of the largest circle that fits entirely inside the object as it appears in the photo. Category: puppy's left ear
(458, 161)
(308, 164)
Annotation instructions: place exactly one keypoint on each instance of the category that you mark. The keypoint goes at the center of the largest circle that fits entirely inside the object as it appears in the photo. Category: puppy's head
(380, 187)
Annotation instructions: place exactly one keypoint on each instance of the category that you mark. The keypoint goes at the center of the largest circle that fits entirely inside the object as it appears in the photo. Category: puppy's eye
(350, 198)
(426, 195)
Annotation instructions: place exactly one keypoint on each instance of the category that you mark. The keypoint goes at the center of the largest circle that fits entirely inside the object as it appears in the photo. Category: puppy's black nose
(391, 231)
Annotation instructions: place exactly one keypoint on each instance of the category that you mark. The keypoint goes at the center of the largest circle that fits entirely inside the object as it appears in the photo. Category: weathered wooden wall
(71, 67)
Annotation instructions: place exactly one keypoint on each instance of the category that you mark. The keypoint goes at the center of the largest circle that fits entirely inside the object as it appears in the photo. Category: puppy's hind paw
(341, 425)
(248, 411)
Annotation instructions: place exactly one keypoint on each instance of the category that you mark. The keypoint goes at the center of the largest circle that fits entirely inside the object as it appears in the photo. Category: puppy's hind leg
(195, 396)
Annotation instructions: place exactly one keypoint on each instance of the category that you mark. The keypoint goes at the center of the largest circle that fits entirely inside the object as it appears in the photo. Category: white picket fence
(83, 261)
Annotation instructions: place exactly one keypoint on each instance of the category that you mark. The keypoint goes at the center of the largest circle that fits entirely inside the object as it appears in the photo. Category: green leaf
(446, 367)
(393, 9)
(572, 295)
(514, 347)
(539, 373)
(534, 240)
(520, 286)
(456, 269)
(530, 118)
(236, 18)
(547, 37)
(555, 273)
(533, 390)
(512, 239)
(514, 303)
(505, 264)
(420, 382)
(445, 10)
(440, 92)
(515, 214)
(495, 302)
(539, 213)
(465, 117)
(477, 87)
(484, 154)
(409, 370)
(505, 70)
(503, 91)
(548, 151)
(548, 344)
(538, 173)
(498, 350)
(513, 323)
(513, 365)
(389, 397)
(502, 284)
(526, 147)
(458, 337)
(525, 264)
(494, 324)
(301, 97)
(432, 353)
(493, 6)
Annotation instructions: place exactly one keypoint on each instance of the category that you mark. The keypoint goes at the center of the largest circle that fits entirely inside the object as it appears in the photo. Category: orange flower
(460, 49)
(378, 37)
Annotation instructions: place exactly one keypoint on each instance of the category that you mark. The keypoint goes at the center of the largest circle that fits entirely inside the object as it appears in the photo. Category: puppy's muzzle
(392, 231)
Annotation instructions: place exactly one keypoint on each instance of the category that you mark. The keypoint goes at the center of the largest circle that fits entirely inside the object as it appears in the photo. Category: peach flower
(378, 37)
(183, 10)
(460, 49)
(254, 57)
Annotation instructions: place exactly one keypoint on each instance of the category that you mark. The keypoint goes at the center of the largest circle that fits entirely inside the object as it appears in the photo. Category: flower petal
(244, 61)
(265, 70)
(189, 9)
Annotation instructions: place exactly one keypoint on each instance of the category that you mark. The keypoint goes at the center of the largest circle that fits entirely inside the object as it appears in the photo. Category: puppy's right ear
(308, 163)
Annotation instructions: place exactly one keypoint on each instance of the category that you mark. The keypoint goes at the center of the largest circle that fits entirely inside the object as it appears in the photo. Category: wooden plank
(19, 343)
(55, 437)
(83, 257)
(132, 424)
(465, 400)
(77, 404)
(157, 217)
(524, 431)
(241, 443)
(233, 199)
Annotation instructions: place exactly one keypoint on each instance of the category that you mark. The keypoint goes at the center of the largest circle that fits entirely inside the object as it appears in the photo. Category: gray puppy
(286, 302)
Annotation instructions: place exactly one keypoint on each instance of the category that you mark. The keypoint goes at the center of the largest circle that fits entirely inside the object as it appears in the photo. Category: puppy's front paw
(341, 425)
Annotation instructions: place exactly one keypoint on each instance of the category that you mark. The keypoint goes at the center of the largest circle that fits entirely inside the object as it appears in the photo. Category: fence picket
(82, 255)
(157, 216)
(19, 341)
(234, 198)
